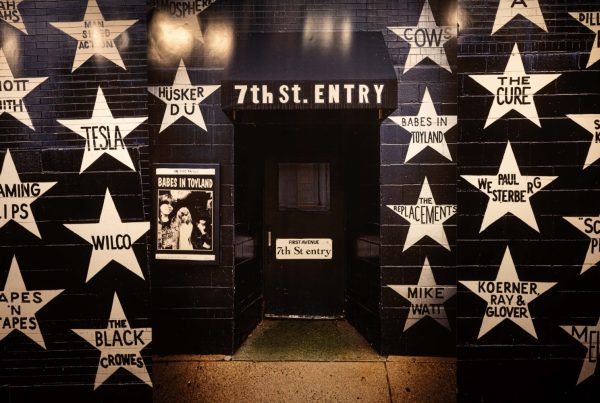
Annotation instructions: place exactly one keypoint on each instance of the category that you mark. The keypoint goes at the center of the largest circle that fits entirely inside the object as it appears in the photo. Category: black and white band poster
(187, 203)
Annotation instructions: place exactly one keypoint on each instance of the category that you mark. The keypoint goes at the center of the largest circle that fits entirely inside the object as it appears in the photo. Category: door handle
(269, 238)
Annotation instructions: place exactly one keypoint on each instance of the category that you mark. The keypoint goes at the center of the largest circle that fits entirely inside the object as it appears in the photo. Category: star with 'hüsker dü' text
(111, 239)
(509, 9)
(183, 99)
(426, 218)
(514, 89)
(427, 129)
(507, 297)
(426, 40)
(18, 306)
(426, 298)
(120, 346)
(591, 123)
(9, 12)
(14, 90)
(95, 36)
(508, 191)
(104, 134)
(16, 197)
(590, 226)
(591, 20)
(588, 337)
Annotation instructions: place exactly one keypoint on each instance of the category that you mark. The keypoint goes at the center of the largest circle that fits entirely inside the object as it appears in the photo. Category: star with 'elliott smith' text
(104, 134)
(508, 191)
(590, 226)
(588, 337)
(426, 40)
(14, 90)
(591, 123)
(514, 89)
(95, 36)
(111, 239)
(426, 298)
(507, 297)
(426, 218)
(9, 12)
(183, 99)
(18, 306)
(509, 9)
(16, 197)
(591, 20)
(120, 346)
(427, 129)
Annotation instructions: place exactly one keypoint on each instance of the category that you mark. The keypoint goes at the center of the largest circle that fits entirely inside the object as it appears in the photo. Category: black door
(304, 225)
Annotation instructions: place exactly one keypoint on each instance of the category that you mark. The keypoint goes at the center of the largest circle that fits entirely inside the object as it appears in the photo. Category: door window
(304, 186)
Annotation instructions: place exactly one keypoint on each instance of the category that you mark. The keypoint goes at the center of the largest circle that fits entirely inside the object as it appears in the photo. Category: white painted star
(590, 226)
(426, 40)
(112, 239)
(18, 306)
(588, 337)
(508, 191)
(16, 197)
(509, 9)
(591, 123)
(590, 20)
(120, 346)
(104, 134)
(507, 297)
(427, 129)
(514, 79)
(13, 92)
(426, 218)
(9, 12)
(95, 36)
(426, 298)
(183, 99)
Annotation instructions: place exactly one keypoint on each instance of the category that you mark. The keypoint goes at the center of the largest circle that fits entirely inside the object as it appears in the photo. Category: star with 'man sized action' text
(514, 89)
(104, 134)
(95, 36)
(111, 239)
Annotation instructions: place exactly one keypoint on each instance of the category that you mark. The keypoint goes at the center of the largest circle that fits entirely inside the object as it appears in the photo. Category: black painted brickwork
(507, 363)
(60, 259)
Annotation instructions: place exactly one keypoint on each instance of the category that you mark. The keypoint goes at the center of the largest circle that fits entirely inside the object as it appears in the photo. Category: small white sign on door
(304, 249)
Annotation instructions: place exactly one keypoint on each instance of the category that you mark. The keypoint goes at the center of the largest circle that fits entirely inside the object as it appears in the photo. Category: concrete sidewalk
(304, 361)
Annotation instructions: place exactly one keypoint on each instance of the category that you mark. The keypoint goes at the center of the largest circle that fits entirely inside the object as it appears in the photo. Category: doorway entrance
(304, 224)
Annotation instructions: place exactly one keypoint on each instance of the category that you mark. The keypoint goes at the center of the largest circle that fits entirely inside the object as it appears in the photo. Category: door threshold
(312, 317)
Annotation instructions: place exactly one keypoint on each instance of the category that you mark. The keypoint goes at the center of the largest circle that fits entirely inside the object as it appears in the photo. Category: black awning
(321, 71)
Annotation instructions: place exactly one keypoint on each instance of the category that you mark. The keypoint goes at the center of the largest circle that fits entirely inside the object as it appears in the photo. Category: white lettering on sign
(508, 191)
(591, 123)
(304, 249)
(590, 226)
(589, 337)
(426, 40)
(509, 9)
(507, 297)
(591, 20)
(318, 94)
(514, 89)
